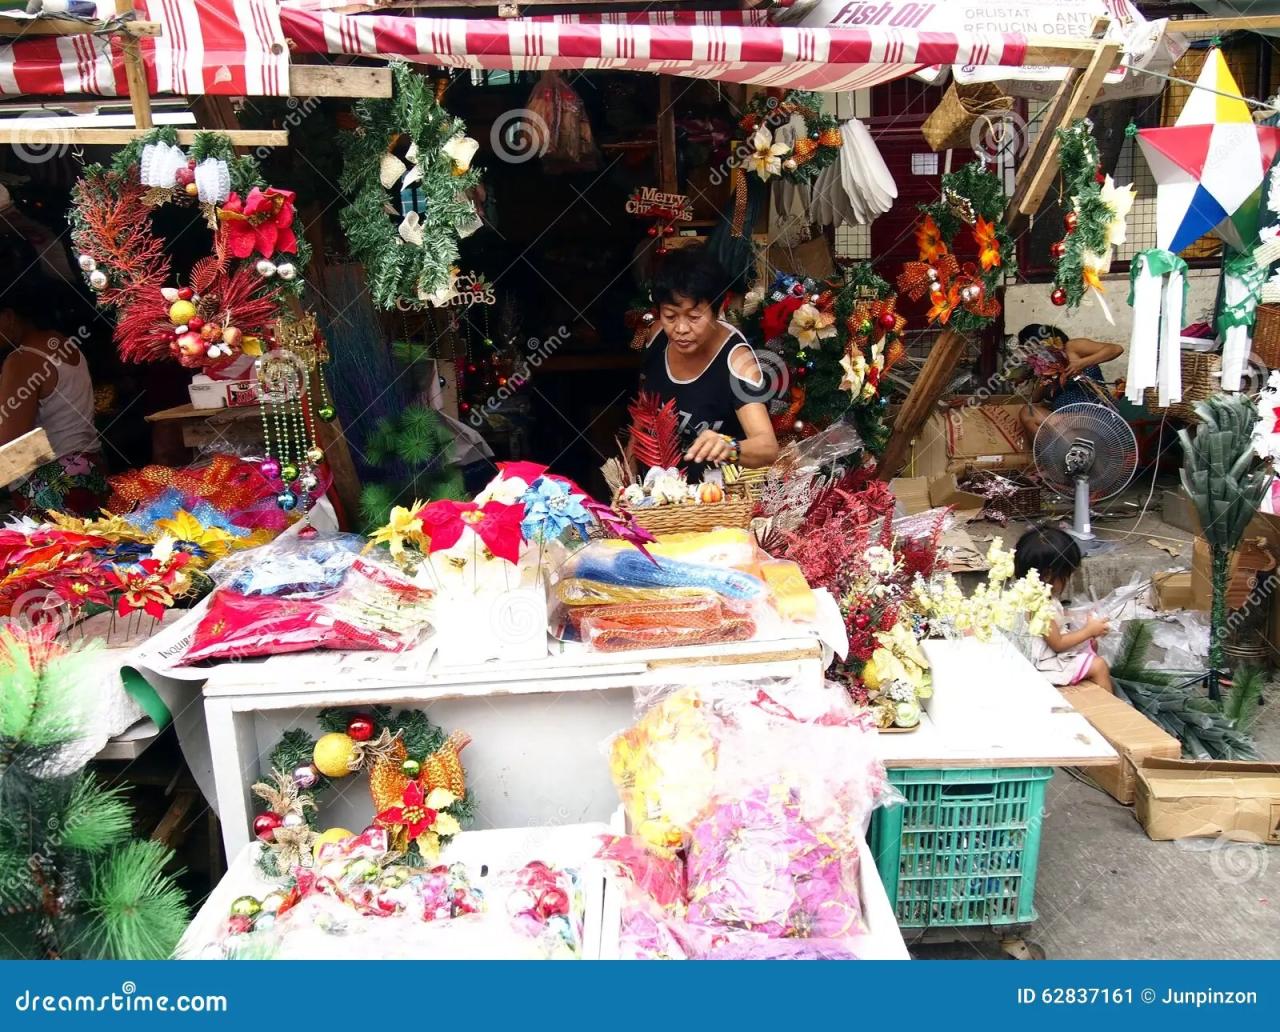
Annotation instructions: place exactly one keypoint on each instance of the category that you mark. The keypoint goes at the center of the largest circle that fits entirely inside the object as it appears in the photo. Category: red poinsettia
(262, 222)
(413, 814)
(147, 592)
(526, 471)
(497, 525)
(777, 316)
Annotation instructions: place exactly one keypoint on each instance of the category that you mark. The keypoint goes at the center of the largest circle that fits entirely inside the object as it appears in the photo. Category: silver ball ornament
(293, 820)
(305, 776)
(308, 481)
(87, 264)
(286, 271)
(266, 268)
(98, 280)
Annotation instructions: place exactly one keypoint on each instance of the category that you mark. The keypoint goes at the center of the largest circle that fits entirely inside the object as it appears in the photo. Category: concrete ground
(1105, 890)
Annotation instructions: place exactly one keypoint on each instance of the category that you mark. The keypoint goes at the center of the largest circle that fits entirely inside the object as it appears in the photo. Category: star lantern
(1210, 165)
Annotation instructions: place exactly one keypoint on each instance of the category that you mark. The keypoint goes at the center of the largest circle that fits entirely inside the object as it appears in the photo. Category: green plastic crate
(963, 848)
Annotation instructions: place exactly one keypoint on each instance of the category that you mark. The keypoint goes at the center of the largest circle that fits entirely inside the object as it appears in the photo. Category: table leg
(231, 744)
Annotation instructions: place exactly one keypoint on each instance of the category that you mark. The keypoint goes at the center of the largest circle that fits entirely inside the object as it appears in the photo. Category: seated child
(1063, 655)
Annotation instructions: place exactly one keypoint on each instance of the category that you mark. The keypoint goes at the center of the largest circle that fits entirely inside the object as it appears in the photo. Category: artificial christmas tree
(417, 446)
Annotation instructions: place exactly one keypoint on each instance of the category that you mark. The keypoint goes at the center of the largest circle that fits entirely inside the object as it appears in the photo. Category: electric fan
(1085, 451)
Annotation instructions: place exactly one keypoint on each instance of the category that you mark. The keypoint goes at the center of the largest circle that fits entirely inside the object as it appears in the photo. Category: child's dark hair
(1052, 553)
(689, 273)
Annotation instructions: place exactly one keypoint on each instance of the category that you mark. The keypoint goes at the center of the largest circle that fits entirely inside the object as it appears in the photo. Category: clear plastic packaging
(705, 620)
(566, 143)
(294, 566)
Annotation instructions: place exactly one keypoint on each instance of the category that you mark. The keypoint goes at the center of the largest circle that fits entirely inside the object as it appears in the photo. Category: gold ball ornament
(181, 312)
(192, 190)
(327, 836)
(333, 754)
(315, 455)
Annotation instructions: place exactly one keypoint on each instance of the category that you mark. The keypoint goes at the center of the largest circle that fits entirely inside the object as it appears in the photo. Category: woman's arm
(760, 446)
(1083, 352)
(21, 380)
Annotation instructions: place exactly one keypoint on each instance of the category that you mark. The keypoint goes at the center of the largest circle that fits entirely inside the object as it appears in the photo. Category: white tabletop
(992, 708)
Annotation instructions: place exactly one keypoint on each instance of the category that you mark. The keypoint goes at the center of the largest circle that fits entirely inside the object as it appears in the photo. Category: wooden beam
(930, 384)
(668, 181)
(339, 81)
(24, 455)
(1049, 52)
(135, 73)
(18, 133)
(1039, 153)
(1217, 26)
(70, 27)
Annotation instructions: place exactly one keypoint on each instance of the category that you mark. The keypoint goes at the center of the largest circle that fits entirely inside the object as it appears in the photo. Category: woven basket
(1025, 503)
(952, 121)
(693, 518)
(1201, 379)
(1266, 335)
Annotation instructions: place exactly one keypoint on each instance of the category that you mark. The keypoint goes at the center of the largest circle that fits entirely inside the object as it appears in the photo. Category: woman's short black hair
(26, 288)
(692, 274)
(1052, 553)
(1036, 334)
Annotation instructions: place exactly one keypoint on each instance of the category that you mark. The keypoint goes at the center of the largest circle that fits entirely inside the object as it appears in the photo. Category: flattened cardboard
(1131, 734)
(1253, 557)
(1209, 798)
(912, 493)
(972, 434)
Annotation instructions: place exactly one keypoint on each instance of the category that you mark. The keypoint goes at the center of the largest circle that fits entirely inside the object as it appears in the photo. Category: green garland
(862, 283)
(1091, 215)
(402, 274)
(822, 131)
(296, 749)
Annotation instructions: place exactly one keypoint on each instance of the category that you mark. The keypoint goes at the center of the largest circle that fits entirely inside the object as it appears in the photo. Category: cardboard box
(918, 494)
(1127, 731)
(972, 434)
(1209, 798)
(1253, 557)
(1177, 511)
(1172, 590)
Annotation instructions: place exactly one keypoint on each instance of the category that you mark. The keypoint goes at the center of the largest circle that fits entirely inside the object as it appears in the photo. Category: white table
(537, 727)
(992, 708)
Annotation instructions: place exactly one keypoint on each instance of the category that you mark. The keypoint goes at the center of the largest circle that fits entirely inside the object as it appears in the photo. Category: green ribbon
(1159, 263)
(145, 696)
(1250, 277)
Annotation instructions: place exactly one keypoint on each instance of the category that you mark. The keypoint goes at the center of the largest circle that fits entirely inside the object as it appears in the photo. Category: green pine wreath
(403, 274)
(1087, 216)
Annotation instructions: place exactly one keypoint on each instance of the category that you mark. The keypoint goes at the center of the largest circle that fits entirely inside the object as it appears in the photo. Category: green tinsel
(400, 274)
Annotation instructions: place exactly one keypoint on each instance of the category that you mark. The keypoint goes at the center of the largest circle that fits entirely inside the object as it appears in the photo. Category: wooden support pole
(339, 81)
(135, 73)
(668, 180)
(1219, 26)
(1072, 101)
(18, 27)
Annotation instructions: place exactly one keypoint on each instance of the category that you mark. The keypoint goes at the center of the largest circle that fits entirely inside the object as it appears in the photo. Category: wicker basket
(952, 121)
(1025, 502)
(692, 518)
(1201, 379)
(1266, 335)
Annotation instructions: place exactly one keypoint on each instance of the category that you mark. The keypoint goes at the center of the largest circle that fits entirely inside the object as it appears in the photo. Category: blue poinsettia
(550, 508)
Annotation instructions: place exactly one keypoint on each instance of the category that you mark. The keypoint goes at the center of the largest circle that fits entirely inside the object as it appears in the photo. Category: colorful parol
(416, 782)
(817, 138)
(1096, 210)
(408, 169)
(965, 251)
(230, 298)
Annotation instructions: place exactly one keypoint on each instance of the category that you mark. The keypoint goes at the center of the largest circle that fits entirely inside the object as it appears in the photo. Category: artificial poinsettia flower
(413, 814)
(929, 240)
(497, 525)
(460, 150)
(855, 373)
(777, 316)
(186, 530)
(1120, 200)
(765, 159)
(402, 525)
(984, 233)
(550, 508)
(146, 592)
(809, 325)
(1092, 268)
(944, 303)
(262, 222)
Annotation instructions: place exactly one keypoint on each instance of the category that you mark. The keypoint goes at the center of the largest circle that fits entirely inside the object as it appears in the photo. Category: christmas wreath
(1094, 219)
(408, 168)
(233, 295)
(817, 141)
(963, 293)
(866, 311)
(415, 778)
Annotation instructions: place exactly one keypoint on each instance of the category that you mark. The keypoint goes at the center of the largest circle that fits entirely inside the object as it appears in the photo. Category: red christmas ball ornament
(360, 727)
(1099, 176)
(801, 371)
(265, 824)
(1058, 297)
(888, 321)
(1057, 249)
(464, 407)
(860, 621)
(661, 251)
(195, 323)
(183, 176)
(185, 293)
(1071, 220)
(798, 289)
(652, 231)
(669, 230)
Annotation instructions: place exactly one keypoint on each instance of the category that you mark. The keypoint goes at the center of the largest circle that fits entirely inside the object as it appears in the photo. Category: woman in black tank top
(707, 367)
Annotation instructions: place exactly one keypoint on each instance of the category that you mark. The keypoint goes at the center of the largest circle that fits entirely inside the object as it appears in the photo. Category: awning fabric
(731, 46)
(227, 47)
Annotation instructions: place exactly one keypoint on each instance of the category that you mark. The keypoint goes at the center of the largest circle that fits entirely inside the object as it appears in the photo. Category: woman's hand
(709, 446)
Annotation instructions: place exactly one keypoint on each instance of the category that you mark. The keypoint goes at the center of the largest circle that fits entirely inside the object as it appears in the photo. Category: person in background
(1064, 655)
(45, 382)
(707, 367)
(1084, 357)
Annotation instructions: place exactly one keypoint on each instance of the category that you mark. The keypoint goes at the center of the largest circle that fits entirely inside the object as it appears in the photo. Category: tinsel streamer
(739, 188)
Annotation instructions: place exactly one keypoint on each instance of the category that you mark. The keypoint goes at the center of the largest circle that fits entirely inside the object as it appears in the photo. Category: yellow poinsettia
(214, 542)
(107, 525)
(765, 159)
(1120, 200)
(403, 525)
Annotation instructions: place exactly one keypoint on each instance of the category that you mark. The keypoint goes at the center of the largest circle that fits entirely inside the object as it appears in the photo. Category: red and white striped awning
(732, 46)
(227, 47)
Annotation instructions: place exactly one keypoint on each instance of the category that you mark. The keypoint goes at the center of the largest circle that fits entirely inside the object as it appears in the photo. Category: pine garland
(401, 274)
(1079, 160)
(73, 884)
(814, 151)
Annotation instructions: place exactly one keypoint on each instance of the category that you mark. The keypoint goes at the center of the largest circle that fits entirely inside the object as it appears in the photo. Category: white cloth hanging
(1157, 291)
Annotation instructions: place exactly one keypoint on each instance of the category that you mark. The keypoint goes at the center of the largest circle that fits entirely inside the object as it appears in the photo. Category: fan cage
(1115, 448)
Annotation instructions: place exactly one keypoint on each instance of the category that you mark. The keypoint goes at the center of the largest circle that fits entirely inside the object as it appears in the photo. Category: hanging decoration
(221, 317)
(792, 115)
(408, 145)
(665, 209)
(970, 212)
(1098, 210)
(1158, 297)
(1210, 166)
(1242, 279)
(416, 782)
